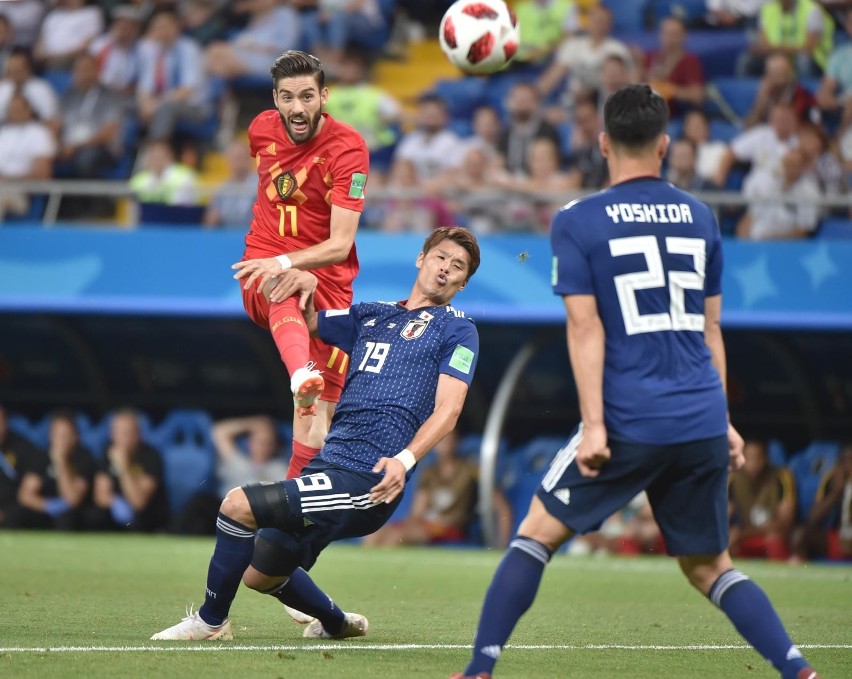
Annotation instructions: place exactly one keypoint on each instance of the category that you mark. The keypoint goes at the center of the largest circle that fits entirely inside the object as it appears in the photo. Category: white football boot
(307, 385)
(354, 625)
(193, 628)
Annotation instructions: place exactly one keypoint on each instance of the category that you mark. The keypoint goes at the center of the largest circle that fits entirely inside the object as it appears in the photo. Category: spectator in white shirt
(172, 83)
(25, 17)
(117, 51)
(40, 95)
(733, 13)
(580, 57)
(66, 32)
(431, 147)
(272, 29)
(763, 145)
(27, 149)
(696, 128)
(782, 206)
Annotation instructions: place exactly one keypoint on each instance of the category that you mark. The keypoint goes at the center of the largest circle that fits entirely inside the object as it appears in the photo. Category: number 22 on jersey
(288, 215)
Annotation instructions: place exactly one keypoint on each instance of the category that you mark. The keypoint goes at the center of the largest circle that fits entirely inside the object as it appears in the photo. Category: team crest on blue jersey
(414, 329)
(285, 185)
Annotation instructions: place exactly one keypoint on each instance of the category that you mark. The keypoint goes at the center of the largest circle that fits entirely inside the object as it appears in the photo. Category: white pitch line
(218, 647)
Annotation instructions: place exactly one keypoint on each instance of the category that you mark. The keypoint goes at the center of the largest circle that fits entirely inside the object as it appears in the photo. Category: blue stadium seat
(565, 129)
(675, 128)
(188, 469)
(537, 453)
(808, 468)
(184, 427)
(722, 130)
(777, 453)
(93, 435)
(463, 127)
(835, 229)
(462, 96)
(688, 10)
(34, 432)
(738, 93)
(629, 16)
(58, 80)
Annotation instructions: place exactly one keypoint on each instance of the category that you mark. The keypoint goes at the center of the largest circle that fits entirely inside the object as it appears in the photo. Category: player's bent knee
(236, 506)
(272, 560)
(543, 527)
(260, 582)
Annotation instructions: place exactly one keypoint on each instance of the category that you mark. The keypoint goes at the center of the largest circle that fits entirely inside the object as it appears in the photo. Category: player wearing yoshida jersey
(312, 172)
(650, 254)
(638, 267)
(412, 363)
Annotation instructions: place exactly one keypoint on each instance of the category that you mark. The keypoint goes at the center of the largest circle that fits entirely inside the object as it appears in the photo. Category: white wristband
(407, 458)
(284, 261)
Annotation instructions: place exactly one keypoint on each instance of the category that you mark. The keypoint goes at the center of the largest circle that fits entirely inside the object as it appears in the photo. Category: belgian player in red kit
(312, 173)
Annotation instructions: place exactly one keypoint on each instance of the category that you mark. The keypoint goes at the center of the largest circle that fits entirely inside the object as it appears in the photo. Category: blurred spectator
(579, 57)
(272, 28)
(129, 490)
(542, 190)
(782, 206)
(733, 13)
(696, 128)
(486, 129)
(164, 180)
(91, 121)
(762, 505)
(462, 187)
(585, 158)
(821, 162)
(172, 84)
(338, 24)
(543, 25)
(117, 51)
(444, 504)
(779, 84)
(66, 31)
(526, 123)
(27, 150)
(673, 72)
(57, 486)
(366, 107)
(17, 455)
(416, 212)
(6, 43)
(799, 29)
(259, 460)
(835, 91)
(20, 77)
(25, 17)
(432, 146)
(204, 21)
(682, 171)
(763, 145)
(827, 532)
(630, 531)
(616, 72)
(232, 203)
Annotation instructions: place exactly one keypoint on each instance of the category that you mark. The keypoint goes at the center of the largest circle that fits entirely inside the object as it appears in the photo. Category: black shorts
(324, 504)
(686, 485)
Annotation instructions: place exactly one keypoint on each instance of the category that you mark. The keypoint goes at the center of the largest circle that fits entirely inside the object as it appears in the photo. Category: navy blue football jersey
(396, 356)
(650, 254)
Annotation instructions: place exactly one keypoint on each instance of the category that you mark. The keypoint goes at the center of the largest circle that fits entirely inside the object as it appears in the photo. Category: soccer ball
(479, 36)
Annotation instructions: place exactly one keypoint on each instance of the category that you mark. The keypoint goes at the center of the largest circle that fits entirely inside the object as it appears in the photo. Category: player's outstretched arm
(449, 400)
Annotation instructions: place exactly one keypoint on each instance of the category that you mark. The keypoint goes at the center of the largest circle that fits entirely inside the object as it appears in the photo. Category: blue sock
(511, 593)
(233, 553)
(301, 592)
(748, 607)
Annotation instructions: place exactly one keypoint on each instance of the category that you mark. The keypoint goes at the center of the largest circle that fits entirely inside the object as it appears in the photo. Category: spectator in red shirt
(779, 84)
(672, 71)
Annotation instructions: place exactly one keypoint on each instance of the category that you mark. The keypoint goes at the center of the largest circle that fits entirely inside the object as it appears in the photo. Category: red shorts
(330, 360)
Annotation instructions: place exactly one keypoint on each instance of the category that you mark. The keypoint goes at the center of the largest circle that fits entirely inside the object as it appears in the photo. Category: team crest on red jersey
(414, 329)
(285, 185)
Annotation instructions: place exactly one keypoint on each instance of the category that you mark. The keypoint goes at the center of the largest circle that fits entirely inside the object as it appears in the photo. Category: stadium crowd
(67, 472)
(760, 96)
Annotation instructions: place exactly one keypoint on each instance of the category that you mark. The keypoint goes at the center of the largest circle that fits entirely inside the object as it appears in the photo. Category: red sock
(302, 454)
(290, 333)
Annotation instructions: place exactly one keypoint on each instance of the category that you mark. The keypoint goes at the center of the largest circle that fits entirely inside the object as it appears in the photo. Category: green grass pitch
(86, 605)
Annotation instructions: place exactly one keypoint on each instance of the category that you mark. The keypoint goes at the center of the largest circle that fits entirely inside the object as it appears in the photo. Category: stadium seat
(722, 130)
(188, 469)
(462, 96)
(537, 453)
(463, 127)
(808, 468)
(184, 427)
(688, 10)
(737, 93)
(60, 81)
(629, 16)
(835, 229)
(34, 432)
(93, 435)
(777, 453)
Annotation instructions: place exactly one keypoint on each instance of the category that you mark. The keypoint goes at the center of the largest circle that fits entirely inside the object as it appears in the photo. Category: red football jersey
(298, 184)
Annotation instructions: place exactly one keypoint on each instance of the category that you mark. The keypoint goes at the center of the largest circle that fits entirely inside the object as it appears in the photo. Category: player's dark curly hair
(459, 236)
(635, 116)
(294, 63)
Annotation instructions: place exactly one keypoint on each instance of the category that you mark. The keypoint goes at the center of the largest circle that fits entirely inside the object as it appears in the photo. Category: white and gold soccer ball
(479, 36)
